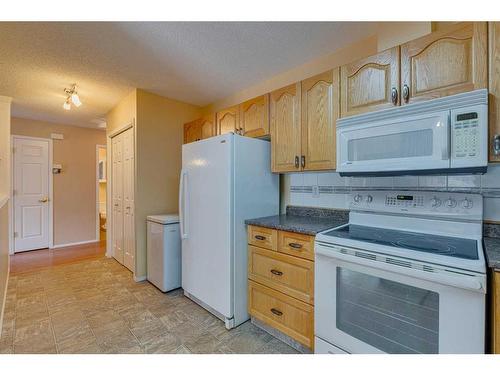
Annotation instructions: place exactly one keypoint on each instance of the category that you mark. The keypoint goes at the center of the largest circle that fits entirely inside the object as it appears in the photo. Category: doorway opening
(101, 191)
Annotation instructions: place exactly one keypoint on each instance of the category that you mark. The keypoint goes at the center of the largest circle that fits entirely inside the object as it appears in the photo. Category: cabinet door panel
(192, 131)
(285, 128)
(254, 116)
(494, 87)
(444, 63)
(228, 120)
(207, 124)
(366, 84)
(320, 109)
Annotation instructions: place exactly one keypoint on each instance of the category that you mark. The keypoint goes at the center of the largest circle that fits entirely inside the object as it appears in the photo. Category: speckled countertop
(491, 240)
(305, 220)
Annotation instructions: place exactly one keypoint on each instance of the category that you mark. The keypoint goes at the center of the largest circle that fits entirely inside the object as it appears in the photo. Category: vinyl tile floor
(95, 306)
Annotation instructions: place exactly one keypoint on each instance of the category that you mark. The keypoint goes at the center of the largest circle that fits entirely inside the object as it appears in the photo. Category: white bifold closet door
(122, 180)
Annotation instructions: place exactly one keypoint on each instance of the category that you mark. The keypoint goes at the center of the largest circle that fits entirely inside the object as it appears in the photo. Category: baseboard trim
(4, 302)
(73, 244)
(138, 279)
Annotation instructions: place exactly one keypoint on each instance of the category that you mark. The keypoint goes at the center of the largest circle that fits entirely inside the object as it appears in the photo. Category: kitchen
(420, 122)
(348, 205)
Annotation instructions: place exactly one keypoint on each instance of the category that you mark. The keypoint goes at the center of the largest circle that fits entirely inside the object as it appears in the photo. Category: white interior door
(128, 200)
(31, 194)
(117, 194)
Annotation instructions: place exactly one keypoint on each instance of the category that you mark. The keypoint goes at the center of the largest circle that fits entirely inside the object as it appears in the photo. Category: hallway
(75, 300)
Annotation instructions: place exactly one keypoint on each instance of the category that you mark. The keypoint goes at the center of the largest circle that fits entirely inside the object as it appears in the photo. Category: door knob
(43, 200)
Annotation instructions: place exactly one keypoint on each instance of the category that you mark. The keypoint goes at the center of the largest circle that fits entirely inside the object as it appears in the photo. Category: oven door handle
(464, 282)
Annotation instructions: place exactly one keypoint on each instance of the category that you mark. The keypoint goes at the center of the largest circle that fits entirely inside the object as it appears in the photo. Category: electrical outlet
(315, 191)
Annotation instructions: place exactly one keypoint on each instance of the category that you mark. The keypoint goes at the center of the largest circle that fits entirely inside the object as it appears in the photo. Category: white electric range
(406, 275)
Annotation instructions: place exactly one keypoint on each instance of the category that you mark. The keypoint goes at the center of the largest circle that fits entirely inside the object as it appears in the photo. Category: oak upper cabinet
(494, 88)
(254, 117)
(285, 128)
(192, 131)
(444, 63)
(320, 111)
(207, 125)
(370, 84)
(228, 120)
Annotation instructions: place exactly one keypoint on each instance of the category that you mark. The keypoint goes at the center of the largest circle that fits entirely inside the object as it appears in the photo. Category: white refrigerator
(224, 181)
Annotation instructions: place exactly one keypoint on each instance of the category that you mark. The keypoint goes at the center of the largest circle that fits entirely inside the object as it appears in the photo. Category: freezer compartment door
(207, 217)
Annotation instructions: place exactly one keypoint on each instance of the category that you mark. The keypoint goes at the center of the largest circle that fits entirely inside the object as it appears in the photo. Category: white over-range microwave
(444, 135)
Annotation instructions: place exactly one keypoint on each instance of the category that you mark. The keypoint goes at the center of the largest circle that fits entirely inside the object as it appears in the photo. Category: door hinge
(14, 192)
(15, 234)
(13, 150)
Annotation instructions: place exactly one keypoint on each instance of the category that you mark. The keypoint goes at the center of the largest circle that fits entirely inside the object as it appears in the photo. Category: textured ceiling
(190, 61)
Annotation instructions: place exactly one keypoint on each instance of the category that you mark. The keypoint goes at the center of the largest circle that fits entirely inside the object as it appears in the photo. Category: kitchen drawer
(299, 245)
(289, 315)
(263, 237)
(290, 275)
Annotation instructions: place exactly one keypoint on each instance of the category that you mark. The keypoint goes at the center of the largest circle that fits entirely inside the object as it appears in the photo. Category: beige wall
(122, 114)
(158, 133)
(75, 188)
(4, 193)
(158, 160)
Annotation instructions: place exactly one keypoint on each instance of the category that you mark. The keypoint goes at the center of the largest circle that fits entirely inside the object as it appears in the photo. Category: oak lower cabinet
(281, 282)
(303, 124)
(254, 117)
(198, 129)
(445, 62)
(228, 120)
(494, 89)
(370, 84)
(495, 320)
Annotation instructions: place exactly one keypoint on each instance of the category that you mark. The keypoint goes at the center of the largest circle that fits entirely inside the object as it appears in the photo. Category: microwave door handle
(446, 149)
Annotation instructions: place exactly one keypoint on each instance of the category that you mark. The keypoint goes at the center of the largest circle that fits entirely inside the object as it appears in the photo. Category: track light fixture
(71, 97)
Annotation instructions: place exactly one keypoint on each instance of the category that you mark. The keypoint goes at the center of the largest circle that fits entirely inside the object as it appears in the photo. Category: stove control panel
(426, 203)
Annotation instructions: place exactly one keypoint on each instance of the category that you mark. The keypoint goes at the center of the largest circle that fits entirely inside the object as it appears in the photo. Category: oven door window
(390, 316)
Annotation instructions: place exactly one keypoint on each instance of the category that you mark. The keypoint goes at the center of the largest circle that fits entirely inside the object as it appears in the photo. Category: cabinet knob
(406, 93)
(496, 144)
(303, 161)
(296, 162)
(394, 96)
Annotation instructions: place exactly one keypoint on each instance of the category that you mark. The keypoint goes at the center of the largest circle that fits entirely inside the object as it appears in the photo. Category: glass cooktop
(440, 245)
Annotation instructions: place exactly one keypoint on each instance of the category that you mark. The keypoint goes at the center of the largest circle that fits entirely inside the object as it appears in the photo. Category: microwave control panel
(465, 135)
(469, 136)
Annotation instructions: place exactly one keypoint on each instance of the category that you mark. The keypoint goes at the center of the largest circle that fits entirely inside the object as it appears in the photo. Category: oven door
(419, 142)
(368, 306)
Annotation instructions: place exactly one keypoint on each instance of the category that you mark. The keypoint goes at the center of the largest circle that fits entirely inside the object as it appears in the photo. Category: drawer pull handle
(276, 272)
(261, 238)
(295, 245)
(276, 312)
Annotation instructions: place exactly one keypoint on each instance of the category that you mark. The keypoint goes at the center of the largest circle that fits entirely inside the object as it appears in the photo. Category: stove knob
(451, 202)
(435, 202)
(357, 198)
(369, 199)
(467, 203)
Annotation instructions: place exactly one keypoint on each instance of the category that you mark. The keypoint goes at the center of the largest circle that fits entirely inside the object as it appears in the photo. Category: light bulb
(67, 105)
(76, 99)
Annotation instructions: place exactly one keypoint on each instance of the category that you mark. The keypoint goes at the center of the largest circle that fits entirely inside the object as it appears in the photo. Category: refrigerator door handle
(182, 204)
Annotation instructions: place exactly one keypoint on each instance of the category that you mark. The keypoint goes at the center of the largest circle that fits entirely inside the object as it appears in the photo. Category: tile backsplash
(328, 189)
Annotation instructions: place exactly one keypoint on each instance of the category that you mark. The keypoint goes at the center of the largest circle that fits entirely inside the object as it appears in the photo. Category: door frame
(109, 178)
(97, 188)
(13, 137)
